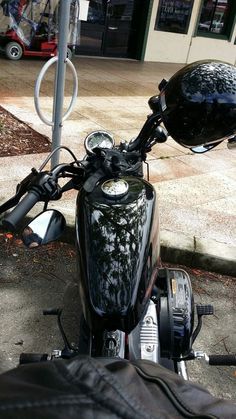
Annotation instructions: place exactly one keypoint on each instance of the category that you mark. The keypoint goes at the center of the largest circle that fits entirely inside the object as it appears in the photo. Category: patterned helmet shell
(198, 103)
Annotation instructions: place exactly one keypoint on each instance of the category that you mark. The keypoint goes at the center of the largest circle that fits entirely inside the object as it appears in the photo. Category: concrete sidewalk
(196, 193)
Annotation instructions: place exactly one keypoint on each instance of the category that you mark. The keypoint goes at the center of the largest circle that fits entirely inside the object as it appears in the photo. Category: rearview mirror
(46, 227)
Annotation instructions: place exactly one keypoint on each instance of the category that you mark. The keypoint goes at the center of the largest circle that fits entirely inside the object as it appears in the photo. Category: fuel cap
(115, 188)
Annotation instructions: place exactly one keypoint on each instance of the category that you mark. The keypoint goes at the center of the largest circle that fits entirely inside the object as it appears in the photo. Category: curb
(198, 252)
(198, 260)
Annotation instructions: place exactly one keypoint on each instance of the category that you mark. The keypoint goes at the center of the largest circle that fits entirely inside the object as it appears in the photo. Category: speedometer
(98, 139)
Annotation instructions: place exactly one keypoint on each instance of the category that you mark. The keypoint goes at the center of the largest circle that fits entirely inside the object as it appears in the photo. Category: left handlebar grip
(15, 216)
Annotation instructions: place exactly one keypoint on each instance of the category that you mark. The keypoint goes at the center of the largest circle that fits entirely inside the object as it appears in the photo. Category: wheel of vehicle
(13, 51)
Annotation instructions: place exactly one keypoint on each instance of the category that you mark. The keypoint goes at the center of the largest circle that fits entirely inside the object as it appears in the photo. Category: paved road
(32, 280)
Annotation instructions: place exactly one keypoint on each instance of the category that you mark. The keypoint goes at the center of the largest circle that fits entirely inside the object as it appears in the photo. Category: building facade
(177, 31)
(189, 30)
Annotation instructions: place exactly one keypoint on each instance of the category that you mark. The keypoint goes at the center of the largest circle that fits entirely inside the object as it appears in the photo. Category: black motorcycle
(132, 307)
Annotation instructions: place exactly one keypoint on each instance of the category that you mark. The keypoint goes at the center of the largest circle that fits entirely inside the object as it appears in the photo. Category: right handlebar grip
(15, 216)
(222, 359)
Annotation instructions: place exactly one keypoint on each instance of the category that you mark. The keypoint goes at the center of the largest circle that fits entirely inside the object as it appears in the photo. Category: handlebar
(43, 185)
(39, 186)
(23, 207)
(146, 132)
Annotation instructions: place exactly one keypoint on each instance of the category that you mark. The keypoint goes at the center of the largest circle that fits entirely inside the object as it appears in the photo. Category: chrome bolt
(149, 348)
(149, 320)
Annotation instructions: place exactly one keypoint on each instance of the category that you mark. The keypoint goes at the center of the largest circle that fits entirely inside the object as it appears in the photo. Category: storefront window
(173, 15)
(214, 17)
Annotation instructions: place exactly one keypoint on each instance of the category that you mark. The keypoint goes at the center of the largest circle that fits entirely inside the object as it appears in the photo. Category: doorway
(114, 28)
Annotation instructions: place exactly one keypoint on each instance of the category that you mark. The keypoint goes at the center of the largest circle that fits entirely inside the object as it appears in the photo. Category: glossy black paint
(198, 104)
(118, 246)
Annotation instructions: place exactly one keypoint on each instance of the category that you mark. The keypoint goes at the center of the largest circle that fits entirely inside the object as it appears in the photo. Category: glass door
(92, 31)
(107, 29)
(118, 27)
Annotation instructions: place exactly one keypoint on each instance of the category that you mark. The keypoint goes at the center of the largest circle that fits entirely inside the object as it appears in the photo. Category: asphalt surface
(32, 280)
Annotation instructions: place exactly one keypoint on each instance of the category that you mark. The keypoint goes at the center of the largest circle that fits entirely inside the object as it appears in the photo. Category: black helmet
(198, 103)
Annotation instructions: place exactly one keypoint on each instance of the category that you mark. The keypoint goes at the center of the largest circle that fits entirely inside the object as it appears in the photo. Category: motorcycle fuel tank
(117, 229)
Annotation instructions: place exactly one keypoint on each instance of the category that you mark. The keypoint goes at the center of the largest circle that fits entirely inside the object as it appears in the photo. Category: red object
(38, 47)
(40, 39)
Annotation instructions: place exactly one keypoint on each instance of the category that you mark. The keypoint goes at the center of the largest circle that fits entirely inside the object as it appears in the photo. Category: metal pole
(64, 19)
